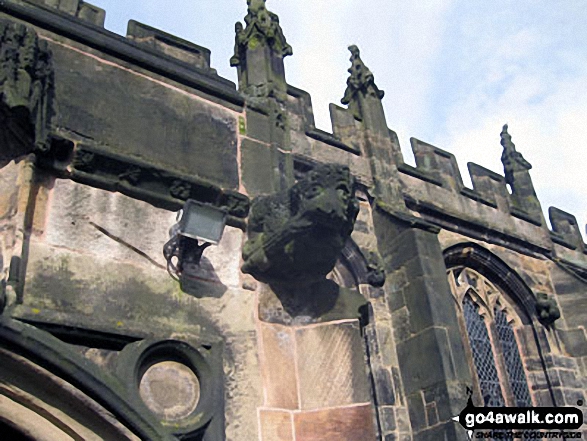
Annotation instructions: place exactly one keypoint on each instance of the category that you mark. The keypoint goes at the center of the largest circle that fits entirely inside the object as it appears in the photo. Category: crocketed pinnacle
(512, 160)
(262, 26)
(360, 81)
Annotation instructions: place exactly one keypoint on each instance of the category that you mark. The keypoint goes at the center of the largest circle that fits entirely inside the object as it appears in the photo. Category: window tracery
(488, 319)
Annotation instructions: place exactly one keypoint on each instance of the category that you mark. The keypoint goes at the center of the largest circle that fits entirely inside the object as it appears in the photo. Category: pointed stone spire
(360, 84)
(259, 50)
(516, 170)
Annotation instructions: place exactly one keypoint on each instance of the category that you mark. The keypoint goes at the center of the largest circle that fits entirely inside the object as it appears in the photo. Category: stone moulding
(56, 357)
(143, 181)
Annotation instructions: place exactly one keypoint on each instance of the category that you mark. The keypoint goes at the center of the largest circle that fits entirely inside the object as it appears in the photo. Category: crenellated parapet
(76, 8)
(499, 208)
(317, 313)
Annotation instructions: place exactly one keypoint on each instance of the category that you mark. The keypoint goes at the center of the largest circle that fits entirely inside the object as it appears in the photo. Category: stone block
(340, 424)
(573, 397)
(448, 431)
(401, 324)
(417, 412)
(575, 342)
(431, 414)
(569, 379)
(257, 167)
(278, 367)
(386, 343)
(9, 189)
(395, 297)
(384, 386)
(168, 44)
(402, 420)
(276, 425)
(67, 6)
(331, 365)
(387, 418)
(113, 226)
(426, 360)
(132, 115)
(258, 126)
(92, 14)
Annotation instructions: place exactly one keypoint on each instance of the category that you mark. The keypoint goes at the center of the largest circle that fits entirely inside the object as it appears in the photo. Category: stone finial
(512, 160)
(26, 77)
(262, 26)
(361, 80)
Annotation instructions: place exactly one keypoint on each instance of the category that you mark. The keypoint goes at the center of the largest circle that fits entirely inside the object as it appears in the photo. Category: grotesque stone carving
(546, 309)
(295, 239)
(26, 88)
(297, 235)
(361, 80)
(375, 270)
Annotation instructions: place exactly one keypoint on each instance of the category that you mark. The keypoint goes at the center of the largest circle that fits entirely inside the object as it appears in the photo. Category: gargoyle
(295, 238)
(298, 235)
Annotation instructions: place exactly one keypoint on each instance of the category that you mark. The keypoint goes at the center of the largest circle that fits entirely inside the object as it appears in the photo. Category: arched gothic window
(488, 319)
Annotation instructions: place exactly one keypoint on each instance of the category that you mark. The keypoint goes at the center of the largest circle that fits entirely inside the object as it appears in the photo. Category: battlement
(76, 8)
(433, 188)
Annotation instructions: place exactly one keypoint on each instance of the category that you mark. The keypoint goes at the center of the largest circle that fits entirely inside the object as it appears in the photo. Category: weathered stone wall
(140, 124)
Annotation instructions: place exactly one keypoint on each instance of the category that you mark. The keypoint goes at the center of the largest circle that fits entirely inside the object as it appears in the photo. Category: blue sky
(453, 71)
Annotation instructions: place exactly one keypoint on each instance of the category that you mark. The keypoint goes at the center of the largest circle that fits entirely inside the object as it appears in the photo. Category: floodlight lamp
(196, 222)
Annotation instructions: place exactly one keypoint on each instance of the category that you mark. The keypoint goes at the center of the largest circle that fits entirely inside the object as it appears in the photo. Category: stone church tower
(351, 296)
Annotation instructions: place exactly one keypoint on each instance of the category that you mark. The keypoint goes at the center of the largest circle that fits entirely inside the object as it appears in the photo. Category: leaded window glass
(482, 354)
(488, 319)
(513, 362)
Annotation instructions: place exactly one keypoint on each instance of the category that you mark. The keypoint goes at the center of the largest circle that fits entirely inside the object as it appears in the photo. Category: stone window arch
(489, 319)
(518, 305)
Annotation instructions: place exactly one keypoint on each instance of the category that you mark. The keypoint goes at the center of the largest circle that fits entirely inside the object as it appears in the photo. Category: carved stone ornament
(546, 309)
(296, 236)
(512, 160)
(375, 270)
(361, 80)
(262, 28)
(26, 80)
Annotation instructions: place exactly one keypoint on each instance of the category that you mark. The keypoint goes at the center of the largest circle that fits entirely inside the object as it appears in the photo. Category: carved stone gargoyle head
(296, 236)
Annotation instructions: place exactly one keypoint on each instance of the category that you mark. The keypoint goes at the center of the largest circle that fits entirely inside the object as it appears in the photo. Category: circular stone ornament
(178, 384)
(171, 390)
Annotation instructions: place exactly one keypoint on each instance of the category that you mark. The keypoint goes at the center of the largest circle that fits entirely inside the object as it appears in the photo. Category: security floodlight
(196, 222)
(202, 222)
